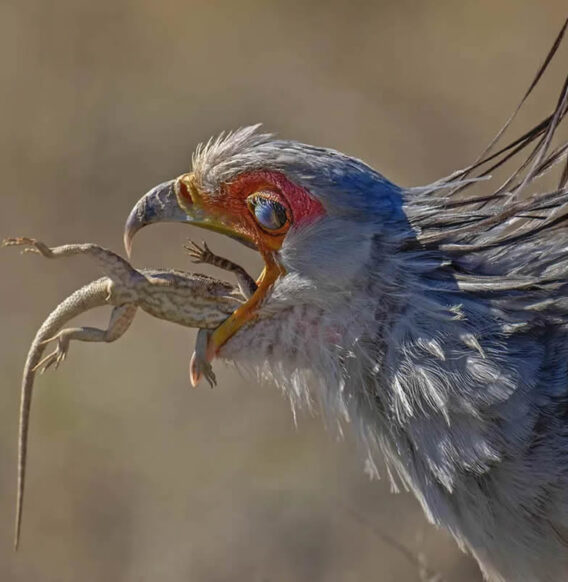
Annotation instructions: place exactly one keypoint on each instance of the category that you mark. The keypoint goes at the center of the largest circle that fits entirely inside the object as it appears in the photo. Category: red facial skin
(232, 209)
(232, 216)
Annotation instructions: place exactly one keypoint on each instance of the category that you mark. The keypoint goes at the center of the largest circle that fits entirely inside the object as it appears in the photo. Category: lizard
(188, 299)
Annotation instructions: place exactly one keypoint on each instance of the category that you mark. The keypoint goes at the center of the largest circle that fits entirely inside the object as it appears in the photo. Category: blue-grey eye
(270, 214)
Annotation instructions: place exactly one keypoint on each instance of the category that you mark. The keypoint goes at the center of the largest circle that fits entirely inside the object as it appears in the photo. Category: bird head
(316, 216)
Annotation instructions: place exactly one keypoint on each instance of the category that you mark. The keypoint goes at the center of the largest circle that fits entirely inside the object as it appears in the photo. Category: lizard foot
(56, 357)
(32, 245)
(199, 254)
(199, 368)
(202, 254)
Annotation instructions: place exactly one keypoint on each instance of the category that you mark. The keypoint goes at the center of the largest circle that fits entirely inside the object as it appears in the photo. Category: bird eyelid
(269, 212)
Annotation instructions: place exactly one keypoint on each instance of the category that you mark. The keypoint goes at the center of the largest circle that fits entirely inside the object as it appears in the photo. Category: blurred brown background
(132, 476)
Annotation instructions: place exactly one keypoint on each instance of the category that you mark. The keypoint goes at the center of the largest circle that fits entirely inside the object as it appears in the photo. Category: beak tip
(127, 240)
(158, 205)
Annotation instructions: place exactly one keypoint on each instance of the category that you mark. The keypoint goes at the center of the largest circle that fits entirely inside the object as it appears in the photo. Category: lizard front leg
(199, 367)
(202, 254)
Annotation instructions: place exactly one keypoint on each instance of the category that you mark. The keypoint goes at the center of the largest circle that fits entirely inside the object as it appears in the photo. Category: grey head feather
(346, 186)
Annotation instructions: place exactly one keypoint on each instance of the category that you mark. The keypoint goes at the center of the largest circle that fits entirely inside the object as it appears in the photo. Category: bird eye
(269, 213)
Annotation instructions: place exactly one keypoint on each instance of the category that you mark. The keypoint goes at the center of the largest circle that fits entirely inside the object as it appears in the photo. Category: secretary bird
(433, 320)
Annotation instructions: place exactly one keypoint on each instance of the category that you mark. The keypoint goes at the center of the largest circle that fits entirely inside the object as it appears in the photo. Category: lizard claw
(199, 254)
(18, 241)
(199, 366)
(32, 245)
(56, 357)
(198, 369)
(208, 373)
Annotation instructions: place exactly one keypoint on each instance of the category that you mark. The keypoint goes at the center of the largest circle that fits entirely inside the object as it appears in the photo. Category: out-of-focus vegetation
(133, 476)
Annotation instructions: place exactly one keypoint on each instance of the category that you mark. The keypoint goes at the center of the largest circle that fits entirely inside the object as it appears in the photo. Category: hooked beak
(175, 201)
(179, 201)
(158, 205)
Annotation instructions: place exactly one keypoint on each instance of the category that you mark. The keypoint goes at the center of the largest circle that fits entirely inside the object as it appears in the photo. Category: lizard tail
(94, 294)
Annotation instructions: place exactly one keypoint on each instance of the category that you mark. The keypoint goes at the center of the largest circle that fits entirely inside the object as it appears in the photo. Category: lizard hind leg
(199, 367)
(112, 265)
(120, 320)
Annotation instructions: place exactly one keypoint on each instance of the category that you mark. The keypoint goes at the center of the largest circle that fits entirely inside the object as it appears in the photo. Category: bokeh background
(132, 475)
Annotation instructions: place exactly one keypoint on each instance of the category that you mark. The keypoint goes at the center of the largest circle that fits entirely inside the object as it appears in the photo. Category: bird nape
(432, 319)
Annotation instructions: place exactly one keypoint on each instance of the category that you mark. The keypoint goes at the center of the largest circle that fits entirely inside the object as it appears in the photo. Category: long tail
(94, 294)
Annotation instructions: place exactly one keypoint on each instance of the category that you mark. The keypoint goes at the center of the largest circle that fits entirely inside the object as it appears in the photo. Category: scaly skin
(187, 299)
